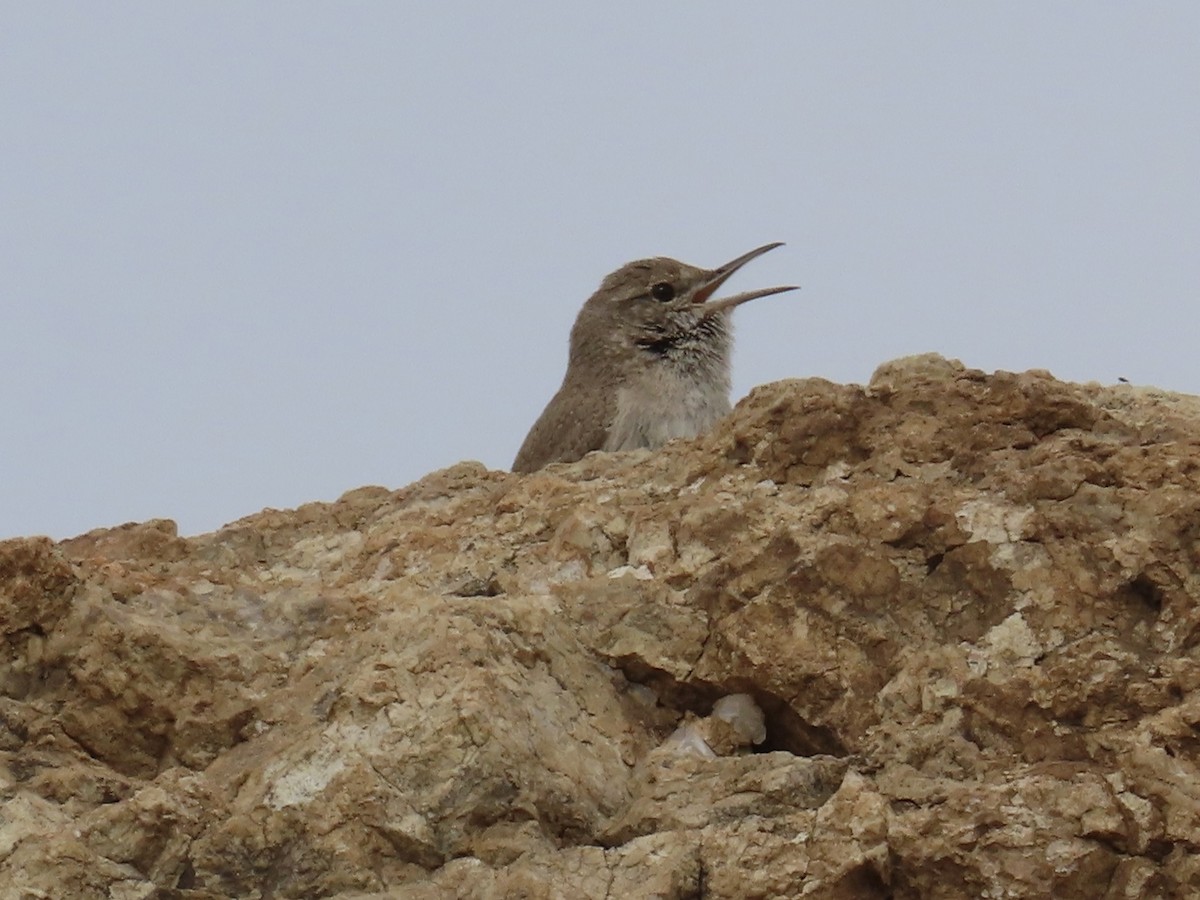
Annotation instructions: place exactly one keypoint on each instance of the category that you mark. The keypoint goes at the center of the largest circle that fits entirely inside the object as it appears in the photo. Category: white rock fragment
(996, 523)
(747, 719)
(686, 741)
(641, 573)
(1013, 642)
(736, 723)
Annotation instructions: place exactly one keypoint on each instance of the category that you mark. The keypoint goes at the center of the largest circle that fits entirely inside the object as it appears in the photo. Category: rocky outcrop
(966, 605)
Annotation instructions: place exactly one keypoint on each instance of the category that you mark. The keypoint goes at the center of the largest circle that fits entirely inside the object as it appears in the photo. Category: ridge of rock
(967, 605)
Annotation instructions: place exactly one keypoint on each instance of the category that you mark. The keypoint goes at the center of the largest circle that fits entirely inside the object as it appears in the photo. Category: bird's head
(664, 307)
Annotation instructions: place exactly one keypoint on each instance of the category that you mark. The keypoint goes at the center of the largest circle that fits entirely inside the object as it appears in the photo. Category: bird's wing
(573, 423)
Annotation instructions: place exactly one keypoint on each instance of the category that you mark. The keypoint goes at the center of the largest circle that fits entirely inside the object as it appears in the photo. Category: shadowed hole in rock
(478, 587)
(786, 730)
(1158, 849)
(864, 883)
(187, 878)
(932, 562)
(1142, 589)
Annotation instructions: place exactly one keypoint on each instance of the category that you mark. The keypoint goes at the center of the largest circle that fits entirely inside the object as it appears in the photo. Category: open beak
(721, 274)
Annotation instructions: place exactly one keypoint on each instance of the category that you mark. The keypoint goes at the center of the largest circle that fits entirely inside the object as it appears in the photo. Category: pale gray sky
(256, 254)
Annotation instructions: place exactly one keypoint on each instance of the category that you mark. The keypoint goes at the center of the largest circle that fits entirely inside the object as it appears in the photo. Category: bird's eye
(663, 291)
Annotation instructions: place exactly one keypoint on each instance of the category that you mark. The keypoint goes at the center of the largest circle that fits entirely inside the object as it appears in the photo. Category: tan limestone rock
(967, 607)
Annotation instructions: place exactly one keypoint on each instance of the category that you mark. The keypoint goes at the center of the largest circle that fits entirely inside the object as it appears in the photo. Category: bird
(649, 361)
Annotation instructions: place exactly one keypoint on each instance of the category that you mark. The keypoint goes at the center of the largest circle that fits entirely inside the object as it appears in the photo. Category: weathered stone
(968, 606)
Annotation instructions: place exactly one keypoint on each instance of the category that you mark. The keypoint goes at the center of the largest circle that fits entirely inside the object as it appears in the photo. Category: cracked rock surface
(967, 606)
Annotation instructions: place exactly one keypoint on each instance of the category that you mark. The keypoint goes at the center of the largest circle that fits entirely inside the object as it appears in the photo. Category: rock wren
(649, 362)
